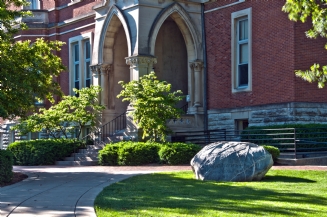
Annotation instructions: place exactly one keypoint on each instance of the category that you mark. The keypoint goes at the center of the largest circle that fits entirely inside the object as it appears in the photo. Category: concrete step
(77, 163)
(81, 158)
(89, 154)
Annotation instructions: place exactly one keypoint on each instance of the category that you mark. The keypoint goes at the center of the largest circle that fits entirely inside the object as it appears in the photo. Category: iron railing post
(295, 142)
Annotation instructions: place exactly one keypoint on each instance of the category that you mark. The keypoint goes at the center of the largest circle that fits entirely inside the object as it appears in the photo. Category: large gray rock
(231, 161)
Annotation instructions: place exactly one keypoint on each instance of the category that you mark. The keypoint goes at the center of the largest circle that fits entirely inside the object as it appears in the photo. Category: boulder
(231, 161)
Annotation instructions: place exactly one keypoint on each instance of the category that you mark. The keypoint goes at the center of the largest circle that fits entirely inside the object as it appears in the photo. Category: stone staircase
(83, 157)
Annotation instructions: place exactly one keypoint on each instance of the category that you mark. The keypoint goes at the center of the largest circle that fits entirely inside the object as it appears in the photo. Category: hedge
(139, 153)
(42, 151)
(178, 153)
(6, 162)
(273, 151)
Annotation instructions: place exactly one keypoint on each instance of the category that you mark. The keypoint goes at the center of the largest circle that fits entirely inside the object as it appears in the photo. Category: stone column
(105, 69)
(196, 68)
(95, 69)
(140, 65)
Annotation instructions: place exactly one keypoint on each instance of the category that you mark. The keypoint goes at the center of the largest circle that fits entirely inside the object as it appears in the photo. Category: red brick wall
(272, 56)
(307, 52)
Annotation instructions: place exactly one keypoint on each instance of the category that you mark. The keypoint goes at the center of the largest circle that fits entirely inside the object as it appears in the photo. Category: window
(241, 125)
(241, 51)
(34, 5)
(80, 61)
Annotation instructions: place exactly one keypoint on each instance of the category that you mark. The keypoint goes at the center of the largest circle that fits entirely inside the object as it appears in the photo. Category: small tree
(153, 104)
(26, 69)
(69, 114)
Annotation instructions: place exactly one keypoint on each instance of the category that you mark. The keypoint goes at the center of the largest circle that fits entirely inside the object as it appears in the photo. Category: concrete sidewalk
(64, 191)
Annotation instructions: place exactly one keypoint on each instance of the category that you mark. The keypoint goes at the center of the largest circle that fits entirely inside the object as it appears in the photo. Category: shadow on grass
(278, 178)
(193, 197)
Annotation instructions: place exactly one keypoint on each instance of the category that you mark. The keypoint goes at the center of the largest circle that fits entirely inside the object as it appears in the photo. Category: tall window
(80, 61)
(76, 65)
(241, 51)
(87, 62)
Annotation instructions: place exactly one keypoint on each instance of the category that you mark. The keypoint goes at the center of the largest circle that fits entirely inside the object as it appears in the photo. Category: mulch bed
(17, 177)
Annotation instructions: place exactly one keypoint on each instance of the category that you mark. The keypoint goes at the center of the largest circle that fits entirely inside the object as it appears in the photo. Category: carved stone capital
(100, 69)
(95, 69)
(196, 65)
(136, 61)
(105, 69)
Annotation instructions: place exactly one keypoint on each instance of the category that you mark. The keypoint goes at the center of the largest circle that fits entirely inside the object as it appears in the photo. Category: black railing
(113, 126)
(109, 129)
(295, 142)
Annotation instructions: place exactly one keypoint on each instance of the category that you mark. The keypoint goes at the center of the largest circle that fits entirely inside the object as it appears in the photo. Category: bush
(273, 151)
(42, 151)
(6, 162)
(132, 153)
(178, 153)
(108, 156)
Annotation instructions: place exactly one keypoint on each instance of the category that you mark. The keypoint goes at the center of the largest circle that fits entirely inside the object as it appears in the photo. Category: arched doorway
(171, 54)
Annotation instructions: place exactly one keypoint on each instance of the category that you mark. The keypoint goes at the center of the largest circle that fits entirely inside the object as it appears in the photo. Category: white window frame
(80, 41)
(236, 17)
(34, 5)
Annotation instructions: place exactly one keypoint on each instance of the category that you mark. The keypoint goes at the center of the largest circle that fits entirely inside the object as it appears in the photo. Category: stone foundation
(266, 115)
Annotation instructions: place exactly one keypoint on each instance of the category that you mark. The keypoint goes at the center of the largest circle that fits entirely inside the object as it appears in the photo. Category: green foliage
(27, 68)
(6, 162)
(138, 153)
(153, 104)
(131, 153)
(108, 156)
(10, 26)
(317, 13)
(70, 113)
(178, 153)
(273, 151)
(42, 151)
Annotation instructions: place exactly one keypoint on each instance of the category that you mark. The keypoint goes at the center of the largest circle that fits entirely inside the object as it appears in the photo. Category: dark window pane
(88, 71)
(243, 75)
(87, 50)
(77, 85)
(76, 72)
(76, 52)
(88, 82)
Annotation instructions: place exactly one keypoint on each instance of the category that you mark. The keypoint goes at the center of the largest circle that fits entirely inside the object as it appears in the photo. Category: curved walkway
(70, 191)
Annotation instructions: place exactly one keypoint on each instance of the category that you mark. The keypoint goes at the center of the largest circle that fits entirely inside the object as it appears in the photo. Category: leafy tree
(69, 114)
(316, 11)
(26, 69)
(153, 104)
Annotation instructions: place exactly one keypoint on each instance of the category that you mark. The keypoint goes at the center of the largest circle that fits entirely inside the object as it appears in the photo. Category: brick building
(234, 60)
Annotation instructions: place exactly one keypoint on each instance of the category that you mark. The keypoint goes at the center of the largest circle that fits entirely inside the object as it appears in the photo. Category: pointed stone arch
(186, 26)
(114, 19)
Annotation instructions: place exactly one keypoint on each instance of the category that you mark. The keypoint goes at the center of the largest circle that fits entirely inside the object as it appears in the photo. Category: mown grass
(280, 193)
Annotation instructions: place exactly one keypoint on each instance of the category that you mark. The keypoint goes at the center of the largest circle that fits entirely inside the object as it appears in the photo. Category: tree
(153, 104)
(27, 69)
(316, 11)
(64, 118)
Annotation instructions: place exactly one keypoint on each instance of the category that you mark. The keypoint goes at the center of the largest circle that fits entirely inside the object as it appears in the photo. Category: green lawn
(280, 193)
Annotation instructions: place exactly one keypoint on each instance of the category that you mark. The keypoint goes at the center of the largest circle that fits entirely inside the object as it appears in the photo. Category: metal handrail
(287, 142)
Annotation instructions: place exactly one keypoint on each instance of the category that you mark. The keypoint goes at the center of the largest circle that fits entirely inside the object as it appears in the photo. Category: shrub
(178, 153)
(132, 153)
(6, 162)
(108, 156)
(273, 151)
(42, 151)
